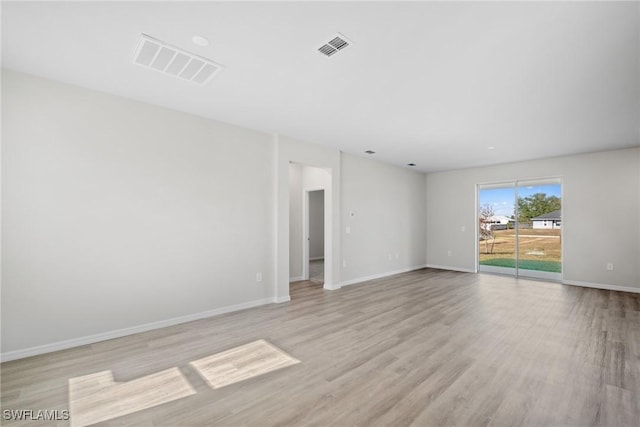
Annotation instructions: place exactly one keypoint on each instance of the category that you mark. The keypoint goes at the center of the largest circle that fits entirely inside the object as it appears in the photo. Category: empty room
(338, 213)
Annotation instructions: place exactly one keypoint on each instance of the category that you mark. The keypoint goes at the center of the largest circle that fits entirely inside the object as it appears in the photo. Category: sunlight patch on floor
(97, 397)
(241, 363)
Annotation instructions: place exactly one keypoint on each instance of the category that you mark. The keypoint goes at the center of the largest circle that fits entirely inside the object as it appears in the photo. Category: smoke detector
(175, 62)
(334, 45)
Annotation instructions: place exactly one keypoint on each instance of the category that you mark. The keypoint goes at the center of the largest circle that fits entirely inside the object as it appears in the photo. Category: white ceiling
(433, 83)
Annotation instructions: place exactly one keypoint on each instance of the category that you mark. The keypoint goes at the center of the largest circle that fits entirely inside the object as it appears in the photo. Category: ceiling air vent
(175, 62)
(334, 45)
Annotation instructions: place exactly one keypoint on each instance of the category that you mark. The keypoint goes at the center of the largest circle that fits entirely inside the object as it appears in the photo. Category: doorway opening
(314, 233)
(520, 228)
(310, 227)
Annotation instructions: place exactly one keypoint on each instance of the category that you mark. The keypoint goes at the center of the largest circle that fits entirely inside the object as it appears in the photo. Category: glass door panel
(496, 229)
(539, 207)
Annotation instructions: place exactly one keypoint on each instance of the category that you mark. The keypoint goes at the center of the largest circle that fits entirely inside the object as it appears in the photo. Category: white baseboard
(445, 267)
(381, 275)
(295, 279)
(76, 342)
(278, 300)
(601, 286)
(331, 286)
(317, 258)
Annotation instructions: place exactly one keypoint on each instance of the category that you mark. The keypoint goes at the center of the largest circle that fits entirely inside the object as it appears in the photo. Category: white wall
(316, 224)
(118, 214)
(388, 204)
(295, 222)
(595, 186)
(314, 178)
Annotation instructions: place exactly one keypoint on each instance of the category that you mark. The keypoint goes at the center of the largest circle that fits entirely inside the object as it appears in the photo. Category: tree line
(536, 205)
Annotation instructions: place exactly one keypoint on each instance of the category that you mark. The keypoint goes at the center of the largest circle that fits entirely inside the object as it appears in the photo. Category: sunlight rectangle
(98, 397)
(241, 363)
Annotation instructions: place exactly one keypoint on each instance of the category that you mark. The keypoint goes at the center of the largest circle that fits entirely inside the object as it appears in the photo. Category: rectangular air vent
(337, 43)
(175, 62)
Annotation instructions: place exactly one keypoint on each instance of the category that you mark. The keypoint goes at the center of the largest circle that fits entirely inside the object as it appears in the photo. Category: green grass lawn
(525, 264)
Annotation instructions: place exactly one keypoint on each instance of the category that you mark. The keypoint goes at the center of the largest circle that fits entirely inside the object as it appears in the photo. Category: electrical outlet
(397, 255)
(258, 277)
(344, 263)
(449, 253)
(390, 257)
(610, 266)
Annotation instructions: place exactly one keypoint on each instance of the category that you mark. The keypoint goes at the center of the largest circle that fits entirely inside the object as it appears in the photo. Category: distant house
(500, 222)
(551, 220)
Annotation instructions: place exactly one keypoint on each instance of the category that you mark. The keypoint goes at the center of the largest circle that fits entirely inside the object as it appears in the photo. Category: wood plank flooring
(426, 348)
(316, 271)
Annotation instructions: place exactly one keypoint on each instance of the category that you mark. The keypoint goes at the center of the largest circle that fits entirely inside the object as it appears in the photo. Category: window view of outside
(539, 223)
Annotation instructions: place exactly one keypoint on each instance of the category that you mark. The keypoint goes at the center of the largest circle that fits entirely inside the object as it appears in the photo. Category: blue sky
(502, 199)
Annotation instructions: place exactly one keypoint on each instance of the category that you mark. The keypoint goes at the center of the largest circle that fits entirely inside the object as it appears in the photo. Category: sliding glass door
(520, 228)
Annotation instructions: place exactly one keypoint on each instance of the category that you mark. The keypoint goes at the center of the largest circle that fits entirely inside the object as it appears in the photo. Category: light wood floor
(426, 348)
(316, 271)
